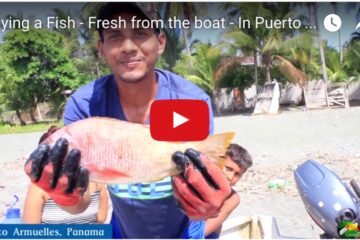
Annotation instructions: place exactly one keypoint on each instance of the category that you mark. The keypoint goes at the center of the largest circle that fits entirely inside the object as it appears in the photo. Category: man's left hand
(201, 188)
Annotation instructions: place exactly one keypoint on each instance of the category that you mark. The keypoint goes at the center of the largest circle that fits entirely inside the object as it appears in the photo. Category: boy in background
(237, 161)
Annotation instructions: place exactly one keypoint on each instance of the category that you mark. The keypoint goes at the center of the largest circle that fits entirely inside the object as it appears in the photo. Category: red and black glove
(201, 188)
(60, 176)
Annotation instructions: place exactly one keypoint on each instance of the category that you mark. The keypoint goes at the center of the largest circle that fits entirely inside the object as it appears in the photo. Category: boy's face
(130, 52)
(232, 171)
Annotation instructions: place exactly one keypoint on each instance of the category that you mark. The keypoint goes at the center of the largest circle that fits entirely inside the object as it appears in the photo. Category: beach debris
(278, 183)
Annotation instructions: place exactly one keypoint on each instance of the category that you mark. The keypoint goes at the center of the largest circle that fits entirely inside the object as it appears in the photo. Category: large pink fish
(116, 151)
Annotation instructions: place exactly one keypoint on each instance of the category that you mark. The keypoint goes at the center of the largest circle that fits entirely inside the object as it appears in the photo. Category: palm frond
(300, 41)
(202, 83)
(290, 71)
(240, 39)
(227, 64)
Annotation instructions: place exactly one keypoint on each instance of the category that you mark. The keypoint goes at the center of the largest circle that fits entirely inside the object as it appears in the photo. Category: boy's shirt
(143, 210)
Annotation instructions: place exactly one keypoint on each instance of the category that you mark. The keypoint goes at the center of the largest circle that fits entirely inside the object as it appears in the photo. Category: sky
(349, 21)
(41, 10)
(346, 11)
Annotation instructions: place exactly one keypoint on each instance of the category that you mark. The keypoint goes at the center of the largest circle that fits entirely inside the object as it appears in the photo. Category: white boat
(250, 227)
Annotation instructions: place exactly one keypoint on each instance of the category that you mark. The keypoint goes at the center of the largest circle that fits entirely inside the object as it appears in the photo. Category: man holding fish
(188, 190)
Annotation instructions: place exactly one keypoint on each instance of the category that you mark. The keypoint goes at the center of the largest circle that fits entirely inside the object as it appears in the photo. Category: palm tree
(188, 11)
(313, 11)
(251, 38)
(303, 59)
(335, 6)
(208, 67)
(335, 70)
(272, 44)
(352, 58)
(202, 68)
(173, 48)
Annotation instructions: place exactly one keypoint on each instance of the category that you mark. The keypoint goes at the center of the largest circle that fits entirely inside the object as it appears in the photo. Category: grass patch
(39, 127)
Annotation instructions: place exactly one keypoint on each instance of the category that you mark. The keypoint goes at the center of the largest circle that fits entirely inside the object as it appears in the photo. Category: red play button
(179, 120)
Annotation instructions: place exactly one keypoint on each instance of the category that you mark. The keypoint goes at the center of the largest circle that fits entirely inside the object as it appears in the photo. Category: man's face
(232, 171)
(131, 53)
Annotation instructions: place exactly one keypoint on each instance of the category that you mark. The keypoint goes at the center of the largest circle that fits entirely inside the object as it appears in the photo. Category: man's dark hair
(145, 10)
(239, 155)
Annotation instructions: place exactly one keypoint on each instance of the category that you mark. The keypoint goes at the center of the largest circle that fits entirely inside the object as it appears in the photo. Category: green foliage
(70, 35)
(40, 64)
(201, 67)
(173, 48)
(352, 58)
(271, 44)
(239, 76)
(306, 59)
(161, 63)
(278, 76)
(90, 66)
(180, 38)
(34, 68)
(335, 70)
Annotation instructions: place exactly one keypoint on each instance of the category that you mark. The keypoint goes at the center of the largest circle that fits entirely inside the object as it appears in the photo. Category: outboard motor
(328, 200)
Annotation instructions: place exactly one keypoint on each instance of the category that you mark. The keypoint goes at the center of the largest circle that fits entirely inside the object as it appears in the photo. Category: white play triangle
(178, 119)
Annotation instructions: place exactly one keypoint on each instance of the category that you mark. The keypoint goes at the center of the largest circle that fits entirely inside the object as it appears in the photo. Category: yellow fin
(168, 172)
(215, 146)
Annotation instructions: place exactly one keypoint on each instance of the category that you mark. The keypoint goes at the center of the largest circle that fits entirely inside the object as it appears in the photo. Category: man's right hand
(60, 176)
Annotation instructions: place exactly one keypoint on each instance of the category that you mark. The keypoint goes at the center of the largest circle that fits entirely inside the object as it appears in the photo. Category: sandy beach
(278, 144)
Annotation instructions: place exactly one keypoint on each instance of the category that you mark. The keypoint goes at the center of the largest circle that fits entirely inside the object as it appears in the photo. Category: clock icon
(332, 22)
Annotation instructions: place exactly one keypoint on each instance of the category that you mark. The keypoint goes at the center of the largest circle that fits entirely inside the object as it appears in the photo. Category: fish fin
(168, 172)
(215, 146)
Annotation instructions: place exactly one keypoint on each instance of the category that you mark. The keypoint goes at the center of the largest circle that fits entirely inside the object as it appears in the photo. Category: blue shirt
(143, 210)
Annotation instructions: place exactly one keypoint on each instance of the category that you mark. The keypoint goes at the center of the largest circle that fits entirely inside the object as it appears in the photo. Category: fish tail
(215, 147)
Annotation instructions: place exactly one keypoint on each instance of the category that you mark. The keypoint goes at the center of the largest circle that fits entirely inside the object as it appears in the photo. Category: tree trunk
(341, 49)
(37, 108)
(18, 114)
(314, 8)
(32, 117)
(186, 40)
(39, 112)
(242, 96)
(339, 35)
(214, 100)
(59, 114)
(266, 61)
(312, 23)
(268, 76)
(239, 98)
(256, 72)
